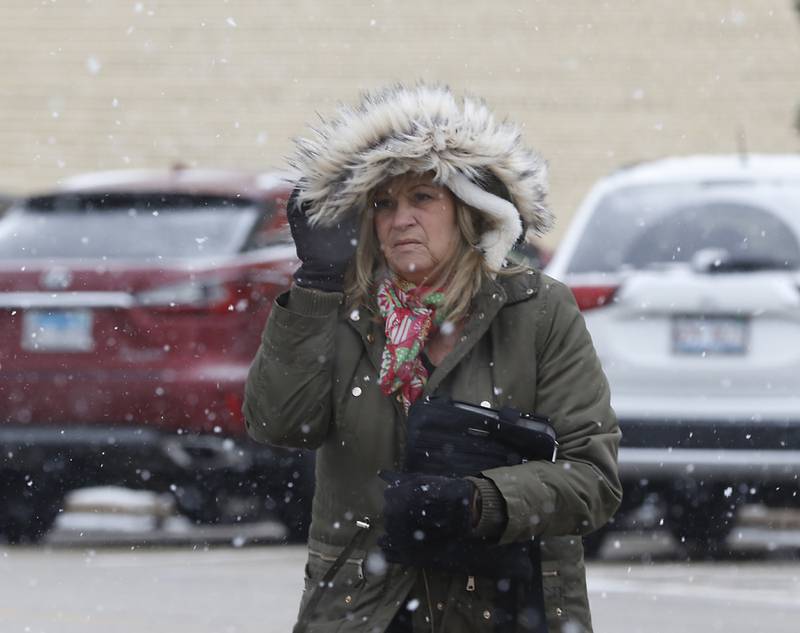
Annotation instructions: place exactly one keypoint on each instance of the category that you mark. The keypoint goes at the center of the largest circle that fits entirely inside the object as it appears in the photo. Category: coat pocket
(340, 597)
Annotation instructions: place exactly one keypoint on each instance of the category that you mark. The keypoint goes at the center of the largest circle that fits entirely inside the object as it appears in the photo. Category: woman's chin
(413, 272)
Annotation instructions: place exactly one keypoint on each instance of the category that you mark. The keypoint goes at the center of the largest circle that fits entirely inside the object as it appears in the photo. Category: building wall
(104, 84)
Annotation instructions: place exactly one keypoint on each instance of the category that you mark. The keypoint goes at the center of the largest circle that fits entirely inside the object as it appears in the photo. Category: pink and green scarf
(410, 317)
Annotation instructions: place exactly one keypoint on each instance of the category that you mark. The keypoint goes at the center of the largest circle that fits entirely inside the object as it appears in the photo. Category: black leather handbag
(456, 439)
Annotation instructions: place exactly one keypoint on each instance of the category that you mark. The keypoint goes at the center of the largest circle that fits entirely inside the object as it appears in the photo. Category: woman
(406, 209)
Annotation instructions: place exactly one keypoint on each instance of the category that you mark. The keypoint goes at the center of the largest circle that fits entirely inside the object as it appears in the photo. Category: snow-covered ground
(126, 562)
(256, 589)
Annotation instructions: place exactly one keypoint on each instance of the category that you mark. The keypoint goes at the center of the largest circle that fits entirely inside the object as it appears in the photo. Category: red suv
(132, 305)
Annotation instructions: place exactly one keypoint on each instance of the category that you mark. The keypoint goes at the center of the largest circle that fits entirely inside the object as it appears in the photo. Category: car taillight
(234, 402)
(205, 295)
(590, 297)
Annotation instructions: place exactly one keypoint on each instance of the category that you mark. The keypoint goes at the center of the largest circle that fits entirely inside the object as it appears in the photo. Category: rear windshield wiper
(749, 264)
(719, 260)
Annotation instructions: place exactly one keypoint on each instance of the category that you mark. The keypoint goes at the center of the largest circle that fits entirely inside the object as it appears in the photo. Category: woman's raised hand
(324, 252)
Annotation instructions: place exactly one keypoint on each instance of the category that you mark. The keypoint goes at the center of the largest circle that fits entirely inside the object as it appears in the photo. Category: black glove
(427, 520)
(419, 508)
(324, 252)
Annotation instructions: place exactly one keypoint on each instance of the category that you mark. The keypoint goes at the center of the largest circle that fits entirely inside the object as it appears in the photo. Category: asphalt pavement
(112, 567)
(255, 589)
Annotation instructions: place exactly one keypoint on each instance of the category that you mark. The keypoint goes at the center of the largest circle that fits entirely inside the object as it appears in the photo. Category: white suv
(688, 274)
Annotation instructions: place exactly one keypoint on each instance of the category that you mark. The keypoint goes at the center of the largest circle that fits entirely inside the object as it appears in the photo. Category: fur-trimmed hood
(425, 129)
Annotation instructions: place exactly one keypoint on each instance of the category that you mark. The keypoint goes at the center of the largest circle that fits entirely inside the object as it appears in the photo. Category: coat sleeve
(581, 490)
(287, 398)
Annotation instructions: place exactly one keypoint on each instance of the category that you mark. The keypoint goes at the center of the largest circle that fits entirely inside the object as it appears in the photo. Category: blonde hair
(464, 271)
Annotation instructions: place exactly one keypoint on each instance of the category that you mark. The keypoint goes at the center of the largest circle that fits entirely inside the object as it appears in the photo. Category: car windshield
(143, 227)
(750, 226)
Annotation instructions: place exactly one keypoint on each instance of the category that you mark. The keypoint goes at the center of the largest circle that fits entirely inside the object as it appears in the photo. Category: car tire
(198, 503)
(27, 510)
(296, 516)
(702, 529)
(593, 543)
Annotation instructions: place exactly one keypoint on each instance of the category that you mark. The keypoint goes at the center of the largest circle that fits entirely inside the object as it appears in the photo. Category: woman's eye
(380, 204)
(422, 196)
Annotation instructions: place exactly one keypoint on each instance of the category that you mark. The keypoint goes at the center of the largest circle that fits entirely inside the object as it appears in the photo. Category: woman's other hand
(419, 508)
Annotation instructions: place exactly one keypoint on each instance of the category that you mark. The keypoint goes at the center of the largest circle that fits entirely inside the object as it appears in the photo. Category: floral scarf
(410, 317)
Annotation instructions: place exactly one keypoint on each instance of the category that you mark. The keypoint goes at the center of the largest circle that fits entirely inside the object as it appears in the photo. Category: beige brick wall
(101, 84)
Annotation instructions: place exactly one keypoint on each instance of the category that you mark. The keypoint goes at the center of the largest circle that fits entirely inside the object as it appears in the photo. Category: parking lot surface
(255, 589)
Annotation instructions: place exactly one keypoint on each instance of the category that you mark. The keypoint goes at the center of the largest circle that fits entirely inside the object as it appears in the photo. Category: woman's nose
(404, 213)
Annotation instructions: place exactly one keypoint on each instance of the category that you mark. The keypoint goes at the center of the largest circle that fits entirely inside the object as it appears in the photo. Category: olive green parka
(314, 384)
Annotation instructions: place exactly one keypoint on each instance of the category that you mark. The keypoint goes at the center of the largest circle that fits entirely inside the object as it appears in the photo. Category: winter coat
(314, 384)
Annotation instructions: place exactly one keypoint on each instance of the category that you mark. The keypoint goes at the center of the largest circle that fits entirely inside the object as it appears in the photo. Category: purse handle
(358, 538)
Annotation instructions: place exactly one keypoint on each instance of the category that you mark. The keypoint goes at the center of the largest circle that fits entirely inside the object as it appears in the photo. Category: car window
(149, 228)
(641, 227)
(269, 233)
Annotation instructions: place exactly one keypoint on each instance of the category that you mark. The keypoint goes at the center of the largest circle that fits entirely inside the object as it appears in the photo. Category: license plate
(57, 331)
(709, 335)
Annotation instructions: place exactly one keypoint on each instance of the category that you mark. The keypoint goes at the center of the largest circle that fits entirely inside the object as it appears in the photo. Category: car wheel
(700, 528)
(27, 510)
(198, 503)
(296, 516)
(593, 543)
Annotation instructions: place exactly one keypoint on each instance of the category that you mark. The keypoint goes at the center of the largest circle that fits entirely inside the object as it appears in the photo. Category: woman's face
(415, 222)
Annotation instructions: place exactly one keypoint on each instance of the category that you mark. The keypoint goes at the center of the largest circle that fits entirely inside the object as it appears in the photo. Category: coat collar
(522, 286)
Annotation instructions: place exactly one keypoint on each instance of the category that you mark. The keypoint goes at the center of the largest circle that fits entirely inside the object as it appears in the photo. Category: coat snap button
(348, 599)
(559, 612)
(440, 606)
(356, 391)
(370, 338)
(487, 614)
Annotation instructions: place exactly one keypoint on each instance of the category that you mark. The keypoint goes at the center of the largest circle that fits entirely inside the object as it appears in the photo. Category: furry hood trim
(425, 129)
